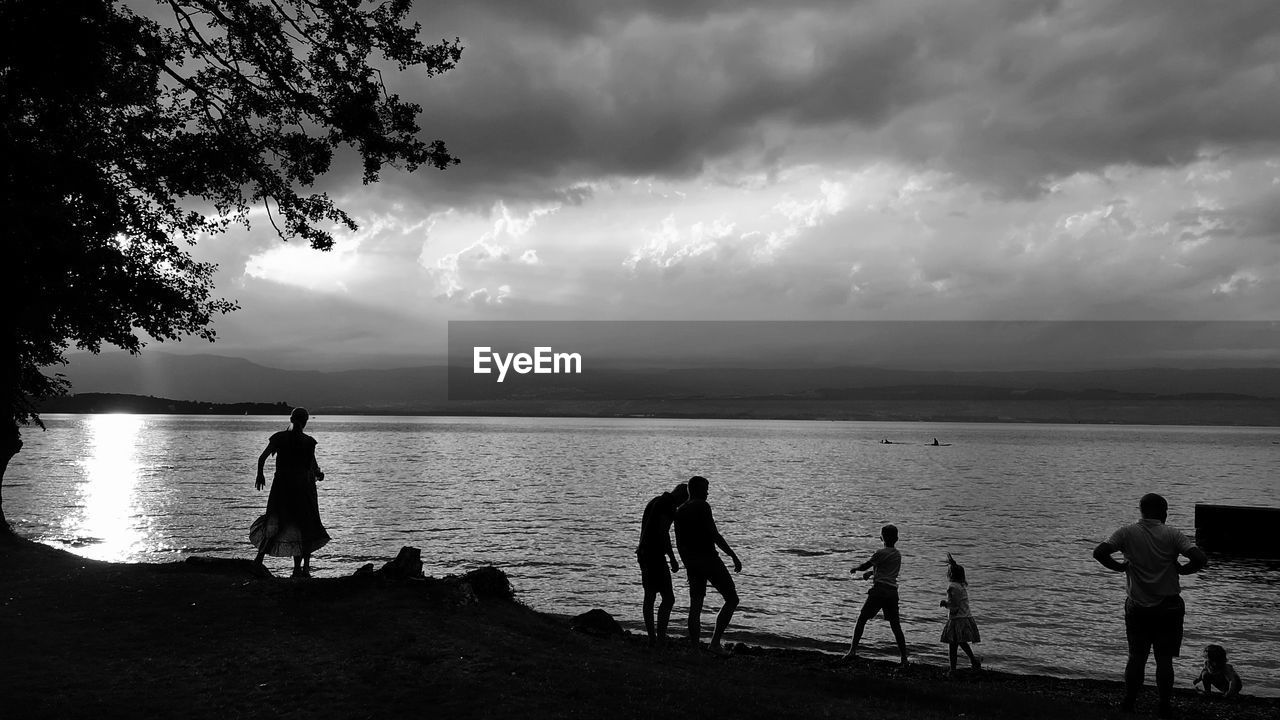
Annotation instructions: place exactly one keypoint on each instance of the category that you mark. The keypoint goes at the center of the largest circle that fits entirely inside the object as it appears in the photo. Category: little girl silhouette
(1218, 673)
(960, 629)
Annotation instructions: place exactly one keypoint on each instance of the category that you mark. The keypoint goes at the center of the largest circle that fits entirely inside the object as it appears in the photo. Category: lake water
(556, 503)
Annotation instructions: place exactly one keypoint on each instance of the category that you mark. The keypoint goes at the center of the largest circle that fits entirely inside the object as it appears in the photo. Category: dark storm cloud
(1148, 83)
(650, 91)
(1007, 93)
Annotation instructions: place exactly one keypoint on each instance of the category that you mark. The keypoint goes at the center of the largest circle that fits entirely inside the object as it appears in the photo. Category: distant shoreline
(106, 403)
(1095, 408)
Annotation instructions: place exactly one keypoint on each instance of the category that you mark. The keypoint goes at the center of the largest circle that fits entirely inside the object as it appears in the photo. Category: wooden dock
(1238, 530)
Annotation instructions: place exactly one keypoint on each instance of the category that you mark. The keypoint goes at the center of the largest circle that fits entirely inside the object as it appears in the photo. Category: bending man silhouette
(653, 553)
(697, 539)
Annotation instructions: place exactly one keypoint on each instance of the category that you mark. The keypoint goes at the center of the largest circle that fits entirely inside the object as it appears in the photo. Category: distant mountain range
(1248, 396)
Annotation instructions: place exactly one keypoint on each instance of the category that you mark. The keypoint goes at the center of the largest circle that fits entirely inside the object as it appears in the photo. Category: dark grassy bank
(213, 640)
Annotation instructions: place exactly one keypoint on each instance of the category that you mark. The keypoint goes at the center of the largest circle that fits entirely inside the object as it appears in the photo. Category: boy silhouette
(883, 571)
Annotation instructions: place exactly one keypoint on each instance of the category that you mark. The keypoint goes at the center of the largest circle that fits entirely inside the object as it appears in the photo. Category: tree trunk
(10, 444)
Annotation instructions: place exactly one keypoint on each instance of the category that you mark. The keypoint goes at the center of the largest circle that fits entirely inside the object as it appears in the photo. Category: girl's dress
(960, 627)
(291, 526)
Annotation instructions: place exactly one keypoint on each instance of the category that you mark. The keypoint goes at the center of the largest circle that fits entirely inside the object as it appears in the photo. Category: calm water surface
(556, 503)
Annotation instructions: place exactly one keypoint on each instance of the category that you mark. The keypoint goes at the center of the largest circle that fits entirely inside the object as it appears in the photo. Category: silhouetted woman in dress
(291, 525)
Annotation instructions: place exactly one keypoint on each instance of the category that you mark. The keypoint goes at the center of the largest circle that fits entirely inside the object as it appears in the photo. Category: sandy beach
(211, 638)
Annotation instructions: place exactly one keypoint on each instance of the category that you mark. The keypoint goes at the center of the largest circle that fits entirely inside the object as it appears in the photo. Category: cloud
(967, 159)
(1007, 93)
(1011, 94)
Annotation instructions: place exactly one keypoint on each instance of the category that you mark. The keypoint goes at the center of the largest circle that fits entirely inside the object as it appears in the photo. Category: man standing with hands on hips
(1153, 607)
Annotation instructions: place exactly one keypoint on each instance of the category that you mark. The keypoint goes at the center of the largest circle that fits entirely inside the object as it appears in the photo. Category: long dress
(291, 525)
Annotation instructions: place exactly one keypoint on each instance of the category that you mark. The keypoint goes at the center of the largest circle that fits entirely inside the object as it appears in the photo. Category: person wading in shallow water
(291, 525)
(653, 553)
(697, 539)
(1153, 607)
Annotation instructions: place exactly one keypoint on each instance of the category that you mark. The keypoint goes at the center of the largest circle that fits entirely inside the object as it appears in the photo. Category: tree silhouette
(125, 139)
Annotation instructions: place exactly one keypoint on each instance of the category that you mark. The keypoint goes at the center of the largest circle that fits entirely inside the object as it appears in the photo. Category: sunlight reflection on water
(105, 525)
(556, 503)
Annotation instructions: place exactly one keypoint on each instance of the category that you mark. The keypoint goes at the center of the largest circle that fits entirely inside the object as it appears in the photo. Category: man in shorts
(1153, 607)
(653, 553)
(697, 539)
(883, 596)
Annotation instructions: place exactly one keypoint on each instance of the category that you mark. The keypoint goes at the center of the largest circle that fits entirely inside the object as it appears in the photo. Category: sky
(796, 160)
